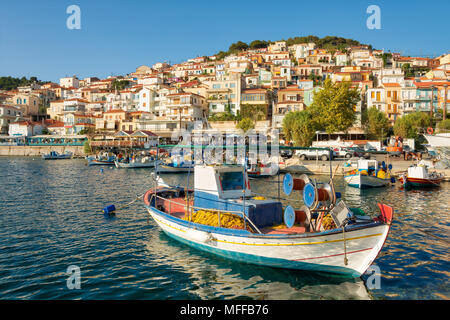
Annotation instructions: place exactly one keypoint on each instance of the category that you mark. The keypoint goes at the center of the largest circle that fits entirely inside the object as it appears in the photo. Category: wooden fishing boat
(251, 230)
(369, 175)
(260, 171)
(418, 176)
(101, 160)
(53, 155)
(176, 164)
(145, 162)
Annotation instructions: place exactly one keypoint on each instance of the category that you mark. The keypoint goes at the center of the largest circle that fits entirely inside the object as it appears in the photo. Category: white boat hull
(150, 164)
(323, 252)
(162, 168)
(364, 181)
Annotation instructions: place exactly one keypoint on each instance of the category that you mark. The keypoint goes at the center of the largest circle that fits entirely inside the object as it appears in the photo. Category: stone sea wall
(78, 151)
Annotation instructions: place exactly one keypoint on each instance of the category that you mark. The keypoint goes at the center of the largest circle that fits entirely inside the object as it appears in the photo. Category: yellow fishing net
(328, 223)
(259, 198)
(211, 218)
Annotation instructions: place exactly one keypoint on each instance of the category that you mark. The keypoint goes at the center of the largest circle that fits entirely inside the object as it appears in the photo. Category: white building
(69, 82)
(8, 114)
(25, 128)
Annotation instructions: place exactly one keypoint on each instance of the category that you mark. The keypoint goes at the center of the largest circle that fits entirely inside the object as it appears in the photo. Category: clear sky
(118, 36)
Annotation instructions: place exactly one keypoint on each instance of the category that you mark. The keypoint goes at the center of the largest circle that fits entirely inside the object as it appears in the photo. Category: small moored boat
(369, 175)
(53, 155)
(102, 160)
(177, 164)
(138, 162)
(260, 170)
(418, 176)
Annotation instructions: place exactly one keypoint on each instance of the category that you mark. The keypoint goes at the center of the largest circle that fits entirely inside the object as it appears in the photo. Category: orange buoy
(430, 130)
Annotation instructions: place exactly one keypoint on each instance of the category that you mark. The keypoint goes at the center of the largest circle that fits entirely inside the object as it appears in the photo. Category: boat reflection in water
(213, 277)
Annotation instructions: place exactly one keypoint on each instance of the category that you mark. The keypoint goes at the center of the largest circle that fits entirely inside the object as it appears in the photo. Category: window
(216, 86)
(389, 94)
(231, 180)
(372, 95)
(232, 85)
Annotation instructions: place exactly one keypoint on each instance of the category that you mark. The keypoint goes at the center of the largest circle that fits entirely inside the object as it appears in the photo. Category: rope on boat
(345, 245)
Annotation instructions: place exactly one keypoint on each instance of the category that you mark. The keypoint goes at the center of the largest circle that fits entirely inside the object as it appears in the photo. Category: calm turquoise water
(50, 217)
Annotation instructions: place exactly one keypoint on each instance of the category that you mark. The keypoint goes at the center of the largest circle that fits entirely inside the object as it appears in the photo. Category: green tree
(375, 123)
(444, 124)
(87, 147)
(238, 46)
(245, 124)
(409, 125)
(258, 44)
(299, 127)
(333, 106)
(119, 84)
(254, 111)
(407, 70)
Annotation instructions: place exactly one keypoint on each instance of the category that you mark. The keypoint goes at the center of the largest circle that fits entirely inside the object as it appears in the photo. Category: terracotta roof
(115, 111)
(57, 124)
(391, 85)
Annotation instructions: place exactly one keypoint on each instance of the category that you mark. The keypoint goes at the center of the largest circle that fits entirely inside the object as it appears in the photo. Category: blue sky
(118, 36)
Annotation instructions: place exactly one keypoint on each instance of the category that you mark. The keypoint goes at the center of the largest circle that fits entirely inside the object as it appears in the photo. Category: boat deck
(177, 210)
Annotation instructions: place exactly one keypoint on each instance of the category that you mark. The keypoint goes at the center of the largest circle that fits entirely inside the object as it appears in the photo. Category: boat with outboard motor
(369, 174)
(221, 216)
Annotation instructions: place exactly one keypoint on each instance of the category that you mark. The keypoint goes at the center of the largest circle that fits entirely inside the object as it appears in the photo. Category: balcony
(218, 98)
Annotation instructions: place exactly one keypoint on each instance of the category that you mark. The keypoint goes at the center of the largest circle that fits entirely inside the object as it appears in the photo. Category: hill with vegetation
(10, 83)
(331, 43)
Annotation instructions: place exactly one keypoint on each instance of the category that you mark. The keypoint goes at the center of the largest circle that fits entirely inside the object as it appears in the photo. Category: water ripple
(51, 218)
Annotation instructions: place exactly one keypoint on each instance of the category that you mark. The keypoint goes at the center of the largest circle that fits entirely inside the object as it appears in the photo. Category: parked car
(359, 153)
(370, 149)
(286, 153)
(313, 154)
(343, 153)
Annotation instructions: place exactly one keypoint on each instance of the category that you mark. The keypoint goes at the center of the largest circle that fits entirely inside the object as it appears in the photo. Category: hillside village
(263, 83)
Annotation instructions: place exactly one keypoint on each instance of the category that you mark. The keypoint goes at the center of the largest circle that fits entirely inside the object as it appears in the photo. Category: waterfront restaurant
(12, 140)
